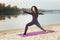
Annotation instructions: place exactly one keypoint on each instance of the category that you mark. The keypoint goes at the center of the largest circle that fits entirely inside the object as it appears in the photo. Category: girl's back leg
(38, 25)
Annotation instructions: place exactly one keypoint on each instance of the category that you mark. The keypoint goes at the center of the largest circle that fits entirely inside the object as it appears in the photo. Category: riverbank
(12, 34)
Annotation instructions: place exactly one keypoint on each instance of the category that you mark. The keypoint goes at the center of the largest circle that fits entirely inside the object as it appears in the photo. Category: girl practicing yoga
(34, 13)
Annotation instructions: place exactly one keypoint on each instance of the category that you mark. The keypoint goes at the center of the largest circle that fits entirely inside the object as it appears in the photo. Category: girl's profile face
(33, 9)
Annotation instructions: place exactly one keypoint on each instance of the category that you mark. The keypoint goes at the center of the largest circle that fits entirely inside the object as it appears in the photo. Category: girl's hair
(35, 9)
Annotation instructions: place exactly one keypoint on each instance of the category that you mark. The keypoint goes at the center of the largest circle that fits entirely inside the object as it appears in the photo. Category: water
(22, 20)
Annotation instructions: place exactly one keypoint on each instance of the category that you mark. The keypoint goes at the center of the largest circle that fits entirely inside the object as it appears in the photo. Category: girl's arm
(26, 12)
(40, 13)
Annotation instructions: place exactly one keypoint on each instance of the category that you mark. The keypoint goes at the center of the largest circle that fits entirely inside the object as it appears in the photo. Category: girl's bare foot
(24, 34)
(44, 30)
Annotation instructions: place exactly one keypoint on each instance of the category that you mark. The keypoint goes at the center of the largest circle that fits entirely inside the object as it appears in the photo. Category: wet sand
(12, 34)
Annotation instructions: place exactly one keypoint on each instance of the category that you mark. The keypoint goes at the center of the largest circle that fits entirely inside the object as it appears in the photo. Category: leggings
(32, 23)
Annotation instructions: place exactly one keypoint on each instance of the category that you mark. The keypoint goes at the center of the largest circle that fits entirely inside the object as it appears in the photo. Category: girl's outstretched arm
(26, 12)
(40, 13)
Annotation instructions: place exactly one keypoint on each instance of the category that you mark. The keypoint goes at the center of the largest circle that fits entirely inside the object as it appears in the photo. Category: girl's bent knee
(27, 25)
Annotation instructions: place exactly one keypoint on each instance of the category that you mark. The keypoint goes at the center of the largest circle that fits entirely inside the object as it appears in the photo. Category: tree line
(8, 11)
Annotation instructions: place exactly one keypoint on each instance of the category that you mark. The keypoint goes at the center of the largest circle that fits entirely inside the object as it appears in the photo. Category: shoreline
(33, 27)
(12, 34)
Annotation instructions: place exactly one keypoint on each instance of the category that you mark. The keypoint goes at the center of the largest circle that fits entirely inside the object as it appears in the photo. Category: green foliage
(8, 11)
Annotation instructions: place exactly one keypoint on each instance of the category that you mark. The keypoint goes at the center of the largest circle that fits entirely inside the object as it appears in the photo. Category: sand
(12, 34)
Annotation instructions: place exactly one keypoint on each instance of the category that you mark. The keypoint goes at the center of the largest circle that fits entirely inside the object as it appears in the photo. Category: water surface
(22, 20)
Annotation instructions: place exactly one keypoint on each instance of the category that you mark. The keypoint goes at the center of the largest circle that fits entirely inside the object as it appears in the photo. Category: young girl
(34, 13)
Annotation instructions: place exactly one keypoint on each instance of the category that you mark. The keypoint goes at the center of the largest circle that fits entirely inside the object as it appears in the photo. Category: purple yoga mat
(35, 33)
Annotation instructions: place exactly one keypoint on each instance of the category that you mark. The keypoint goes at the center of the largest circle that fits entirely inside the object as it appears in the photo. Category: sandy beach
(12, 34)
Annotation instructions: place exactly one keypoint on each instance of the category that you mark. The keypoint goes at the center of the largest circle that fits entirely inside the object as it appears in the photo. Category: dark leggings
(31, 23)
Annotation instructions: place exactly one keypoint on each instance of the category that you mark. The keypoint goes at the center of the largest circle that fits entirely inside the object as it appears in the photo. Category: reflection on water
(3, 17)
(22, 20)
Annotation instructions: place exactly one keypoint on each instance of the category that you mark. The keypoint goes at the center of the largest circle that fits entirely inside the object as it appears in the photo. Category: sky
(42, 4)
